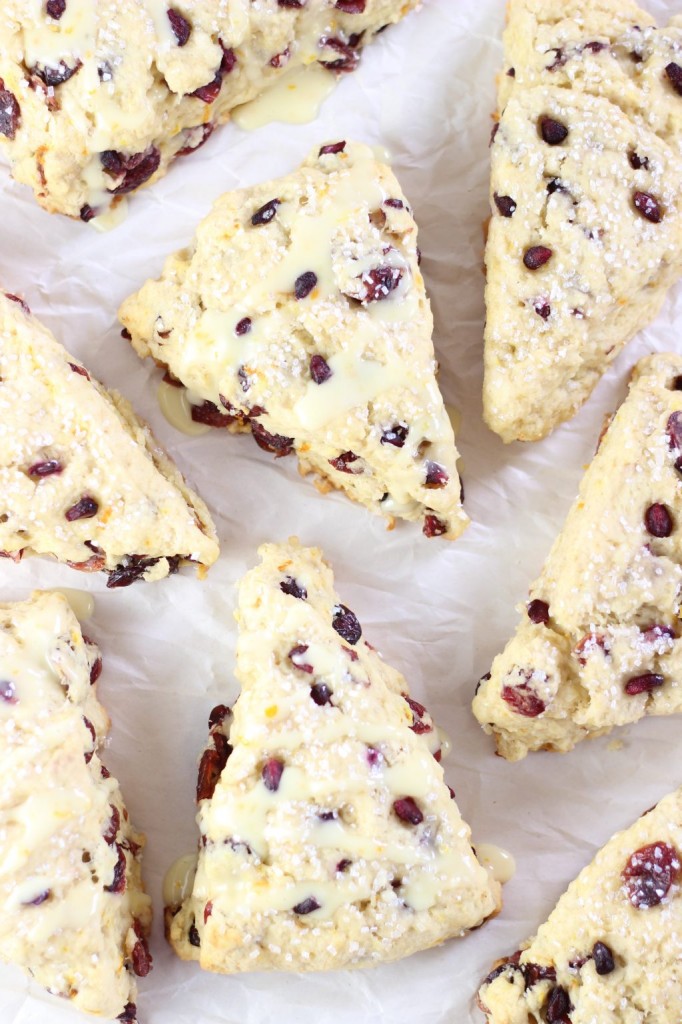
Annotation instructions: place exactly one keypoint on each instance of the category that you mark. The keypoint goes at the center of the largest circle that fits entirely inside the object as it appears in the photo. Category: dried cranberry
(346, 624)
(536, 257)
(136, 169)
(306, 906)
(111, 831)
(395, 435)
(418, 711)
(243, 326)
(674, 430)
(208, 910)
(210, 414)
(649, 874)
(57, 75)
(218, 715)
(332, 148)
(118, 882)
(396, 204)
(129, 1015)
(291, 3)
(133, 569)
(39, 899)
(436, 475)
(408, 811)
(637, 162)
(265, 214)
(603, 958)
(210, 767)
(555, 185)
(644, 684)
(321, 694)
(523, 700)
(433, 526)
(141, 958)
(10, 112)
(558, 1006)
(293, 588)
(86, 508)
(533, 973)
(296, 657)
(193, 936)
(208, 93)
(505, 204)
(658, 520)
(552, 132)
(344, 463)
(647, 205)
(538, 612)
(8, 691)
(80, 370)
(305, 284)
(347, 60)
(319, 369)
(272, 772)
(589, 644)
(180, 25)
(560, 58)
(275, 443)
(343, 865)
(47, 468)
(378, 283)
(674, 74)
(543, 309)
(351, 6)
(55, 8)
(280, 60)
(511, 963)
(87, 213)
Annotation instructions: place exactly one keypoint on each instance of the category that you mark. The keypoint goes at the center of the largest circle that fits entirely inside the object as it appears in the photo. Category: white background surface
(437, 611)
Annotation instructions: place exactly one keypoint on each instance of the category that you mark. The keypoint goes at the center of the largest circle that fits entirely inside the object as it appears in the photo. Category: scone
(82, 478)
(328, 836)
(97, 99)
(74, 914)
(598, 644)
(299, 312)
(610, 951)
(586, 229)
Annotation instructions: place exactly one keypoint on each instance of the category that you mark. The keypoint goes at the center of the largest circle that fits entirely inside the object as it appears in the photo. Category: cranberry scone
(300, 313)
(82, 478)
(610, 951)
(586, 229)
(98, 99)
(75, 916)
(329, 838)
(599, 641)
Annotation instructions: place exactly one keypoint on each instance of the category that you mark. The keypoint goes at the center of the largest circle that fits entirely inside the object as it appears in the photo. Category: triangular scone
(328, 838)
(610, 951)
(598, 645)
(96, 99)
(300, 312)
(74, 914)
(586, 229)
(82, 478)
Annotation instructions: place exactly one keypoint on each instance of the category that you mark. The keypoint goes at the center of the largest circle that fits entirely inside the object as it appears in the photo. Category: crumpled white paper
(437, 611)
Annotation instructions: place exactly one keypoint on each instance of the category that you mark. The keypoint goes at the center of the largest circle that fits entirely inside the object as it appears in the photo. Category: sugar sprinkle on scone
(82, 478)
(300, 313)
(586, 230)
(74, 914)
(599, 641)
(329, 838)
(611, 950)
(97, 99)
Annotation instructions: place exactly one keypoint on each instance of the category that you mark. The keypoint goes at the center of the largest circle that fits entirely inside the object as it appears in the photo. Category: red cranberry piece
(510, 964)
(8, 691)
(505, 204)
(332, 148)
(306, 906)
(649, 874)
(552, 132)
(674, 75)
(193, 936)
(197, 136)
(218, 715)
(433, 526)
(543, 309)
(180, 25)
(305, 284)
(80, 370)
(91, 729)
(210, 414)
(319, 369)
(129, 1015)
(418, 711)
(243, 326)
(374, 757)
(141, 958)
(345, 461)
(523, 700)
(555, 185)
(118, 882)
(538, 612)
(293, 588)
(280, 60)
(536, 257)
(55, 8)
(395, 435)
(47, 468)
(436, 475)
(208, 93)
(637, 162)
(274, 443)
(396, 204)
(272, 772)
(291, 3)
(296, 657)
(647, 205)
(378, 283)
(643, 684)
(210, 767)
(351, 6)
(676, 384)
(136, 169)
(655, 633)
(558, 1006)
(343, 865)
(52, 76)
(10, 112)
(408, 811)
(86, 508)
(560, 58)
(112, 829)
(133, 569)
(321, 694)
(658, 520)
(589, 644)
(533, 973)
(208, 910)
(19, 301)
(603, 958)
(347, 60)
(265, 214)
(87, 213)
(346, 624)
(674, 429)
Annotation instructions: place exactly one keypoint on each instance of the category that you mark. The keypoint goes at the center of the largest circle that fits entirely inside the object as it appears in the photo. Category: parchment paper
(437, 611)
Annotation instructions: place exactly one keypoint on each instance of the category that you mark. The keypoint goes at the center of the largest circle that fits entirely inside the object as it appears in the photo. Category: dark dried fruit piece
(351, 6)
(344, 463)
(306, 906)
(378, 283)
(637, 162)
(210, 414)
(644, 684)
(134, 568)
(87, 213)
(10, 112)
(346, 624)
(180, 25)
(296, 658)
(218, 715)
(523, 700)
(543, 309)
(112, 829)
(658, 520)
(603, 958)
(433, 526)
(86, 508)
(589, 644)
(407, 810)
(505, 204)
(243, 326)
(533, 973)
(193, 936)
(537, 256)
(319, 369)
(196, 137)
(558, 1006)
(436, 475)
(418, 711)
(118, 882)
(343, 865)
(674, 429)
(57, 75)
(39, 899)
(538, 612)
(208, 93)
(265, 214)
(275, 443)
(293, 588)
(210, 767)
(129, 1015)
(332, 148)
(510, 964)
(650, 873)
(96, 669)
(55, 8)
(141, 958)
(134, 169)
(8, 691)
(347, 60)
(47, 468)
(552, 132)
(291, 3)
(321, 694)
(272, 772)
(305, 284)
(648, 206)
(674, 75)
(395, 435)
